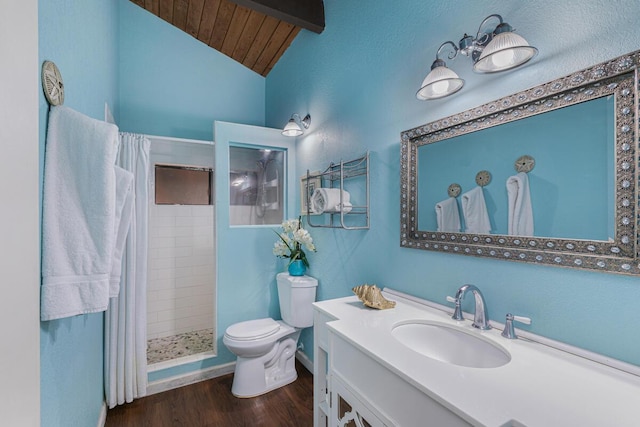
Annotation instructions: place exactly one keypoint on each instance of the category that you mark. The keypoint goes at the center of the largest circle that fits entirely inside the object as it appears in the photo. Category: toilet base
(258, 375)
(246, 394)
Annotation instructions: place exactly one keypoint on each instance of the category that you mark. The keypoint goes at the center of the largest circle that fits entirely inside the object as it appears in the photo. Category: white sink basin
(450, 344)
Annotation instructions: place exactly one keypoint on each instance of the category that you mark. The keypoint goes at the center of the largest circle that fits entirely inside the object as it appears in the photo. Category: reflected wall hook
(454, 190)
(525, 164)
(483, 178)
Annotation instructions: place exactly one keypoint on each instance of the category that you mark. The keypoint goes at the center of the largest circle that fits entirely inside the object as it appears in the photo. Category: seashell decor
(372, 297)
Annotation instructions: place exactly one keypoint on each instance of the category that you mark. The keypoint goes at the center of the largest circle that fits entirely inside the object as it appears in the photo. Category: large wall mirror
(582, 132)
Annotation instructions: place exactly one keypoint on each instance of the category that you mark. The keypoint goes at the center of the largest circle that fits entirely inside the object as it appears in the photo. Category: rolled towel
(520, 209)
(448, 215)
(328, 200)
(474, 210)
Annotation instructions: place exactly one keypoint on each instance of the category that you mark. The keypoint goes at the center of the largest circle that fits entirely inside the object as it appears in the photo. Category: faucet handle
(508, 331)
(457, 313)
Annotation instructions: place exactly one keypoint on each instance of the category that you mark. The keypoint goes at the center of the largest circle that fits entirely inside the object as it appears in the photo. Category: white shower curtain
(126, 319)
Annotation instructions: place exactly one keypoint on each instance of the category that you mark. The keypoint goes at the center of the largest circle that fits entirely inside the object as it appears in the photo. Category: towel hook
(525, 163)
(454, 190)
(52, 83)
(483, 178)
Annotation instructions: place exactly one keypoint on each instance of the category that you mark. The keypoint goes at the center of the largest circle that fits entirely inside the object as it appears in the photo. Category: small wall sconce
(294, 126)
(499, 49)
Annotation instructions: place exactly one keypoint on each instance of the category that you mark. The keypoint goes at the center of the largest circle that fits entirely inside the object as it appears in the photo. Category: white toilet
(266, 348)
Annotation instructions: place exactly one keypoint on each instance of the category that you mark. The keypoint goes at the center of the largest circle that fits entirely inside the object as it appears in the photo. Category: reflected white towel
(520, 209)
(78, 214)
(448, 215)
(474, 210)
(328, 200)
(124, 212)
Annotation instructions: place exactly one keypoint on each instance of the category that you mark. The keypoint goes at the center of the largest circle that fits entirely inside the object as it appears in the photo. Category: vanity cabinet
(352, 389)
(365, 376)
(376, 393)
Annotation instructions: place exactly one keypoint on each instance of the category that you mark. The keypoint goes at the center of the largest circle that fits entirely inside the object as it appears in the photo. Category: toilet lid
(252, 329)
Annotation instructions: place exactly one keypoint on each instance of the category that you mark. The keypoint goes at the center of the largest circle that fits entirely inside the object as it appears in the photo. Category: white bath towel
(124, 212)
(79, 199)
(520, 209)
(474, 210)
(328, 200)
(448, 215)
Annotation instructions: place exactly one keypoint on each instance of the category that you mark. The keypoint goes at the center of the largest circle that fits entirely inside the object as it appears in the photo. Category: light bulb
(440, 87)
(503, 58)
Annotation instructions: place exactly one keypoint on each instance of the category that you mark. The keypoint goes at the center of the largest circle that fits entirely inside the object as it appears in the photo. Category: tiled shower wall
(180, 295)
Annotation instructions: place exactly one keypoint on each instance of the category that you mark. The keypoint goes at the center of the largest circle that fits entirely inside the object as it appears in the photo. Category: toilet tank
(296, 295)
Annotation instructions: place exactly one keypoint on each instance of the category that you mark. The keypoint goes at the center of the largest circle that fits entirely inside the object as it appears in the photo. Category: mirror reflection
(581, 131)
(571, 186)
(256, 186)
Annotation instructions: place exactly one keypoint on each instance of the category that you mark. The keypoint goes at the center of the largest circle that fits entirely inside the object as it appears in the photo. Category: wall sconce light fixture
(498, 49)
(294, 126)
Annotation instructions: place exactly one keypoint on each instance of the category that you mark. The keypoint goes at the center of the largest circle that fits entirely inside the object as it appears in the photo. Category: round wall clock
(52, 83)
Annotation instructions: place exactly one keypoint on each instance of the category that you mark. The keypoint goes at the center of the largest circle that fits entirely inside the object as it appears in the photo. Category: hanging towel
(448, 215)
(78, 214)
(328, 200)
(474, 210)
(124, 211)
(520, 210)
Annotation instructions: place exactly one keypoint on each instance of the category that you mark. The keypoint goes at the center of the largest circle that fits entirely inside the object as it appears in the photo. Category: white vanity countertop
(540, 386)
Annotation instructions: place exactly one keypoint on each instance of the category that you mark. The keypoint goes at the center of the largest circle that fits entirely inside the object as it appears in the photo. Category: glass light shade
(507, 50)
(292, 129)
(440, 82)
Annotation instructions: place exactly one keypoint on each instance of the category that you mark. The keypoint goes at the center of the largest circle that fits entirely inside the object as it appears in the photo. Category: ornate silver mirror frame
(618, 77)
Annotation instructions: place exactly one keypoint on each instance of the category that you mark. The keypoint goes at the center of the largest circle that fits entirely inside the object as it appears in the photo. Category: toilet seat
(252, 329)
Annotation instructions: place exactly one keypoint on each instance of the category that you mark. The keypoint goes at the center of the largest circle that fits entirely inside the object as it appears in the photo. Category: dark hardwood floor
(210, 403)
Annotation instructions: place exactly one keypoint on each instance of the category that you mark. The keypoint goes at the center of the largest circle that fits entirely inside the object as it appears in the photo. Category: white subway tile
(195, 323)
(164, 273)
(162, 305)
(167, 315)
(162, 328)
(202, 270)
(182, 210)
(183, 272)
(162, 242)
(162, 221)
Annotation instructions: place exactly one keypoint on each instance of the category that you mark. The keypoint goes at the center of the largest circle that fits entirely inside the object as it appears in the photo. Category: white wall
(19, 223)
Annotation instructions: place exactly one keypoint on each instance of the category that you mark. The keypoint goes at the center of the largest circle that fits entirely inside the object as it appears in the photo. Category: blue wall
(81, 38)
(570, 183)
(358, 80)
(171, 84)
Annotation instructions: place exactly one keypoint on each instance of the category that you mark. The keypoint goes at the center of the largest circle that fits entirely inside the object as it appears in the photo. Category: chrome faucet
(481, 317)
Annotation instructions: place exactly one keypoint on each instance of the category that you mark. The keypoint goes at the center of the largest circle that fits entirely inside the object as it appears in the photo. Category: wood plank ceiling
(249, 36)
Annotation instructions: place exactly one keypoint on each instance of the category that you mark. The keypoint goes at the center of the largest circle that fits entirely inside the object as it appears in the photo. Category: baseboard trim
(305, 361)
(189, 378)
(103, 415)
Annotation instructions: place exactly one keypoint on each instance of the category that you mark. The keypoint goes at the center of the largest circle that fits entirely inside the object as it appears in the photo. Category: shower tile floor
(175, 346)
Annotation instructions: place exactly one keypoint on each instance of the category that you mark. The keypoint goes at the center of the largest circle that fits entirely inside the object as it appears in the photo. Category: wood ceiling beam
(307, 14)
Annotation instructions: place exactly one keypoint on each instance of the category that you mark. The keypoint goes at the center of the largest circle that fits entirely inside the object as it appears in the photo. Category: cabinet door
(348, 409)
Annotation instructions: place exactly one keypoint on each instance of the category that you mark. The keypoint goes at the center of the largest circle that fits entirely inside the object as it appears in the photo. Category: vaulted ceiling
(255, 33)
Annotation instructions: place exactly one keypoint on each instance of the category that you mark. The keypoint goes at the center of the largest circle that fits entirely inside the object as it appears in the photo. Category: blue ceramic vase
(297, 268)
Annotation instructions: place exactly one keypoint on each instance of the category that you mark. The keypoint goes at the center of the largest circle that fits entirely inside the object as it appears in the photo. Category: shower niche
(256, 185)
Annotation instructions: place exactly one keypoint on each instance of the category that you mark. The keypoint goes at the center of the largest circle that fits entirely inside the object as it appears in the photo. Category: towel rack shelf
(356, 172)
